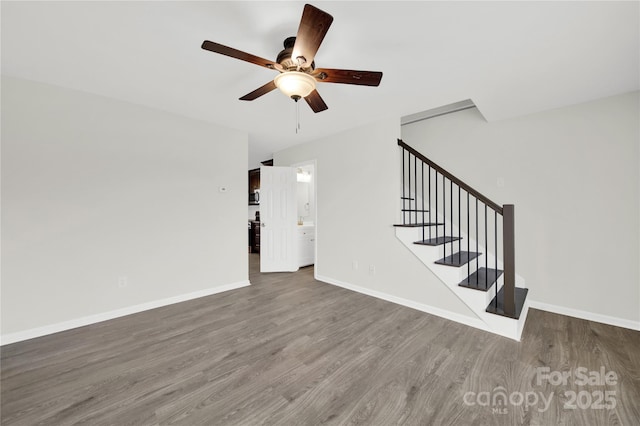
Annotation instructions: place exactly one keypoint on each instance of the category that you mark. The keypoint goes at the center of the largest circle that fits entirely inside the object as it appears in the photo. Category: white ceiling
(510, 58)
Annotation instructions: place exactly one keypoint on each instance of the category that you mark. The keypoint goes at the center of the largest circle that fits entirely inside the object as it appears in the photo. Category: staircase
(466, 240)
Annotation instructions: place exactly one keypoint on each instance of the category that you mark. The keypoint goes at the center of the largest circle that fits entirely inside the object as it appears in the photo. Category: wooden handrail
(452, 178)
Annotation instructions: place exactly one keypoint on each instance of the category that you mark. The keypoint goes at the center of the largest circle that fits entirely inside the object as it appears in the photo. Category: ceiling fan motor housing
(291, 64)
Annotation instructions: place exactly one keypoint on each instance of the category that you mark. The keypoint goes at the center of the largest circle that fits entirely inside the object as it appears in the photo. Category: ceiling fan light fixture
(296, 63)
(295, 84)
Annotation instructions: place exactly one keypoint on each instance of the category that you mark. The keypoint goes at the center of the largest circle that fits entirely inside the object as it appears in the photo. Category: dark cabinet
(254, 237)
(254, 184)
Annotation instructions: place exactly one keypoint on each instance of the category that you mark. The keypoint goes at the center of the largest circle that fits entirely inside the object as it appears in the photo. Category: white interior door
(278, 219)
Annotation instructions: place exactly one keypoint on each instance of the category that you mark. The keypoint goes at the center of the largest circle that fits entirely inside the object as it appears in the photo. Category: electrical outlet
(372, 269)
(123, 282)
(354, 265)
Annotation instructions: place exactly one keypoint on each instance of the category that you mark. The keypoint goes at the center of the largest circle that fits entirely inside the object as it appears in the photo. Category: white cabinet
(306, 245)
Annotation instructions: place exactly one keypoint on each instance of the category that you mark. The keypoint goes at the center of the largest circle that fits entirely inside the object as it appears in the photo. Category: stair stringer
(477, 301)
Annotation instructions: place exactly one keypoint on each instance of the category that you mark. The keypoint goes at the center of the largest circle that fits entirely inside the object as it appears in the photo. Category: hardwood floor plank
(291, 350)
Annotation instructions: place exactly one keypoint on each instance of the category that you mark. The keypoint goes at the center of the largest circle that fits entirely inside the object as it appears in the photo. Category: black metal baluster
(477, 246)
(451, 214)
(468, 237)
(486, 250)
(459, 223)
(422, 174)
(404, 196)
(495, 258)
(444, 214)
(436, 185)
(415, 180)
(429, 202)
(409, 188)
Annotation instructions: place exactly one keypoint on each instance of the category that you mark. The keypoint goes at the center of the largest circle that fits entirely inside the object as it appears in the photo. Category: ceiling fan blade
(315, 101)
(363, 78)
(238, 54)
(263, 90)
(314, 25)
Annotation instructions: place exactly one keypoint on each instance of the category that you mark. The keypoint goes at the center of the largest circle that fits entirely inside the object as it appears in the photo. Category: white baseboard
(442, 313)
(589, 316)
(92, 319)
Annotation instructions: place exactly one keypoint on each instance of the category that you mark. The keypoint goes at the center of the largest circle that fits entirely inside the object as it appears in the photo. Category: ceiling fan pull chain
(297, 117)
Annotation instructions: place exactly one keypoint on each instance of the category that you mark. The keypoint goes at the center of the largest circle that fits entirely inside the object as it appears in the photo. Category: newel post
(508, 237)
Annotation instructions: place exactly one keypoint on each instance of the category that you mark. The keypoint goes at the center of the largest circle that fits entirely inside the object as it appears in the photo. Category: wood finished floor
(293, 351)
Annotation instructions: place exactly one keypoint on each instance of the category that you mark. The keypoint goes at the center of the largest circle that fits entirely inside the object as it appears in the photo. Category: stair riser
(507, 327)
(480, 299)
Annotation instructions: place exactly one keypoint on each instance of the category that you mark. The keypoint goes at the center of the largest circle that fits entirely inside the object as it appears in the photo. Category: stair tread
(482, 279)
(414, 210)
(458, 259)
(417, 225)
(407, 198)
(521, 296)
(437, 241)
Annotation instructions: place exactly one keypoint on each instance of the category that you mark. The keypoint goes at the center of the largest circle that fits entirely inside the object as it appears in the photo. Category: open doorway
(302, 225)
(306, 194)
(306, 197)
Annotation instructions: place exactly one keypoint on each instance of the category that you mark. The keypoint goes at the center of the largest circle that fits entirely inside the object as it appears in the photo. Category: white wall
(94, 189)
(573, 175)
(358, 199)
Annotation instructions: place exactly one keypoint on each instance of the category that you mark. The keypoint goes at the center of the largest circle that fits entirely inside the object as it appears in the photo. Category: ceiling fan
(298, 72)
